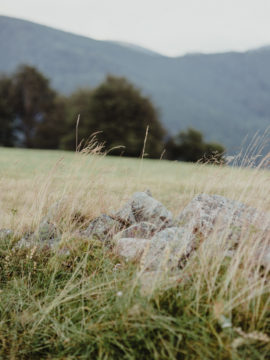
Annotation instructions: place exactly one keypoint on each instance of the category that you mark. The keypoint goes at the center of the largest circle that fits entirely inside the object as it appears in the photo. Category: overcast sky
(171, 27)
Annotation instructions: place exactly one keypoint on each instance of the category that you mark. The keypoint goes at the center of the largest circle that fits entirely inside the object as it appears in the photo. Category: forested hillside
(226, 96)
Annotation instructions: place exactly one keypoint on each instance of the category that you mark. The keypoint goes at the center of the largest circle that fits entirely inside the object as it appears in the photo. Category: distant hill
(136, 48)
(226, 96)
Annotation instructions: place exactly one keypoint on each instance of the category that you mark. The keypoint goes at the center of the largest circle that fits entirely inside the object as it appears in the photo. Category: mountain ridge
(224, 95)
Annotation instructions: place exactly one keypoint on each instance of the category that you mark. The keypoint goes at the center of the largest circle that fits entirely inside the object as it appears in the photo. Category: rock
(102, 228)
(125, 215)
(166, 249)
(228, 219)
(25, 242)
(47, 234)
(143, 230)
(163, 251)
(142, 207)
(208, 212)
(131, 248)
(47, 231)
(31, 240)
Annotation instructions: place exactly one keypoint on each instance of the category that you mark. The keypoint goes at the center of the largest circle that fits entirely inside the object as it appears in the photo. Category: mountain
(226, 96)
(137, 48)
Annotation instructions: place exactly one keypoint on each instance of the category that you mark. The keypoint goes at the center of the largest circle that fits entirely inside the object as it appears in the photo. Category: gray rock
(31, 240)
(26, 242)
(131, 248)
(144, 230)
(167, 248)
(102, 228)
(162, 251)
(142, 207)
(47, 231)
(206, 213)
(47, 234)
(228, 219)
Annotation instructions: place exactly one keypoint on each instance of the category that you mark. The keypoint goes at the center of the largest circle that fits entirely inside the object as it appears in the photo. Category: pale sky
(171, 27)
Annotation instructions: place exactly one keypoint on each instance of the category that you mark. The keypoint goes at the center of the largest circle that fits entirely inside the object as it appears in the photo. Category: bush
(190, 146)
(121, 114)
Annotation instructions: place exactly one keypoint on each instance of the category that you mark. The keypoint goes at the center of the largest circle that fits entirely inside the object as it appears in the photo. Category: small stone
(229, 220)
(46, 231)
(143, 230)
(131, 248)
(163, 251)
(166, 249)
(206, 213)
(142, 207)
(102, 228)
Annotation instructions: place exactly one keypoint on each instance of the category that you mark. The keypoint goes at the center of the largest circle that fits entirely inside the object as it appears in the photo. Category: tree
(77, 103)
(121, 114)
(7, 127)
(189, 146)
(50, 131)
(36, 106)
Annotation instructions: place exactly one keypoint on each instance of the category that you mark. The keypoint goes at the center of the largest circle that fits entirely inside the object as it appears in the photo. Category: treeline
(33, 115)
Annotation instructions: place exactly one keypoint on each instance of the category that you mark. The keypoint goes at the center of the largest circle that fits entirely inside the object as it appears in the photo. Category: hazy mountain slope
(224, 95)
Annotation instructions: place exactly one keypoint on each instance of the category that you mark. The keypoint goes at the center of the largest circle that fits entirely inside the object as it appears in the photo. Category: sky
(171, 27)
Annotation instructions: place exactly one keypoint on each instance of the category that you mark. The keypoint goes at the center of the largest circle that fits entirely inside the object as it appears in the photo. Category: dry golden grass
(217, 306)
(31, 180)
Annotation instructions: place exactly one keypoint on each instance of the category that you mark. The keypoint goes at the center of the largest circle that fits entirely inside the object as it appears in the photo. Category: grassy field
(88, 304)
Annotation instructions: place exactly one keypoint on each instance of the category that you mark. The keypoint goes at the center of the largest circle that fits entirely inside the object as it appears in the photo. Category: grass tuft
(87, 303)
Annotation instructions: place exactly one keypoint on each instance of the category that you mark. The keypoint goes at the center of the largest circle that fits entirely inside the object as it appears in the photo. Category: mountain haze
(226, 96)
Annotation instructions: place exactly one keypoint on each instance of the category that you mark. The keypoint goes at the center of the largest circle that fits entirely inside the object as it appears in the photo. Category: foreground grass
(90, 304)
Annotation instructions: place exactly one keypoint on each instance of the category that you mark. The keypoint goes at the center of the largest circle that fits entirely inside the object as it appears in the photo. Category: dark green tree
(50, 131)
(190, 146)
(121, 114)
(37, 109)
(7, 123)
(77, 104)
(214, 153)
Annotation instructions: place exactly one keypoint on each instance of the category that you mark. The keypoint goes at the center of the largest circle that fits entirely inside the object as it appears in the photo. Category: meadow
(89, 304)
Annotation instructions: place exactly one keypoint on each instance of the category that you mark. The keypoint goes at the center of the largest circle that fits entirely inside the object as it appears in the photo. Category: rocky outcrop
(204, 216)
(131, 248)
(102, 228)
(143, 230)
(142, 207)
(229, 220)
(166, 249)
(47, 234)
(206, 213)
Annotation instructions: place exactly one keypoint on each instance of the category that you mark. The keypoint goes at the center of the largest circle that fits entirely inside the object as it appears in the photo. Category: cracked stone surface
(102, 228)
(143, 207)
(164, 250)
(131, 248)
(143, 230)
